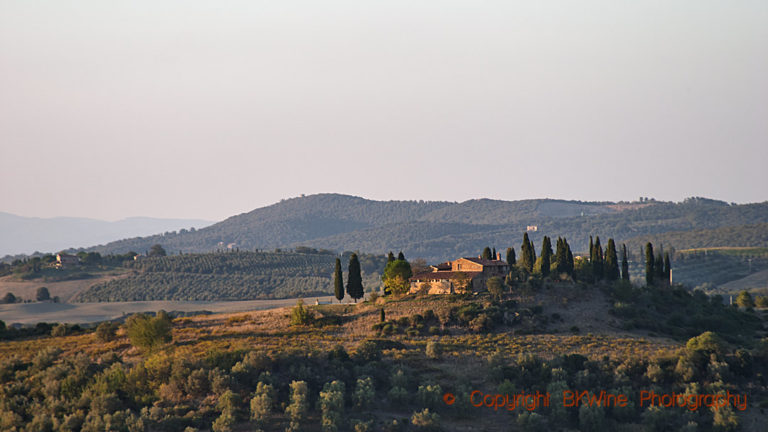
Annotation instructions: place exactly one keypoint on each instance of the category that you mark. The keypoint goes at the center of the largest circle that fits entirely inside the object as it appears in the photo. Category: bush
(261, 404)
(331, 404)
(300, 315)
(299, 406)
(42, 294)
(149, 333)
(434, 350)
(105, 332)
(425, 420)
(59, 330)
(429, 396)
(364, 393)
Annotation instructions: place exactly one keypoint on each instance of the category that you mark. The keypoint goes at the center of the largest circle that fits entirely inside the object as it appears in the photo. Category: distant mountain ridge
(25, 235)
(438, 230)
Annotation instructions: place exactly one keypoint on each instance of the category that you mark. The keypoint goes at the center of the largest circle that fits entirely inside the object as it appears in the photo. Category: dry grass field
(82, 313)
(65, 290)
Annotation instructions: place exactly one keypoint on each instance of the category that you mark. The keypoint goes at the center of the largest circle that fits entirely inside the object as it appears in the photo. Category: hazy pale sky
(207, 109)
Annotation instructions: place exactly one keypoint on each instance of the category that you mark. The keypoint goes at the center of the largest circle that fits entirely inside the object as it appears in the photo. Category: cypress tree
(382, 316)
(533, 252)
(354, 279)
(597, 260)
(494, 256)
(526, 262)
(486, 255)
(338, 283)
(658, 268)
(546, 256)
(624, 263)
(400, 256)
(511, 259)
(611, 261)
(649, 271)
(569, 254)
(591, 249)
(561, 257)
(667, 267)
(390, 257)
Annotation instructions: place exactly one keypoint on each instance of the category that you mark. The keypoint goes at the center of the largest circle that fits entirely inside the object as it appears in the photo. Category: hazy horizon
(206, 110)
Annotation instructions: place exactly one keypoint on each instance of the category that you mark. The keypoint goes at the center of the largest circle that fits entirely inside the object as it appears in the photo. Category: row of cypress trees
(658, 269)
(354, 279)
(604, 265)
(396, 275)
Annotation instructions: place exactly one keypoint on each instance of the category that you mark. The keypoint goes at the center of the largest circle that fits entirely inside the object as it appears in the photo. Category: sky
(208, 109)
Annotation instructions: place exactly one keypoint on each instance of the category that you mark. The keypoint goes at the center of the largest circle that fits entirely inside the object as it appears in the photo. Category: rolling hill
(441, 230)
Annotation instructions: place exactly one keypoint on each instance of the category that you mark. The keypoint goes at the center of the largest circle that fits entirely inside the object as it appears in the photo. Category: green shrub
(105, 332)
(300, 315)
(434, 351)
(425, 420)
(149, 333)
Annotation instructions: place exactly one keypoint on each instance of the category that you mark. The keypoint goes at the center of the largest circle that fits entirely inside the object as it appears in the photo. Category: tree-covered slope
(443, 230)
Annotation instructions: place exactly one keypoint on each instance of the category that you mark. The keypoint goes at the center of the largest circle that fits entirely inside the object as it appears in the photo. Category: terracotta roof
(443, 275)
(486, 262)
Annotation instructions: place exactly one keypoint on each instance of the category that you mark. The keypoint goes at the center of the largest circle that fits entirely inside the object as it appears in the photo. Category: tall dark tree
(400, 256)
(658, 268)
(667, 268)
(354, 279)
(649, 270)
(338, 282)
(486, 253)
(611, 268)
(591, 248)
(570, 256)
(526, 255)
(390, 257)
(493, 254)
(624, 263)
(561, 257)
(511, 259)
(546, 256)
(597, 260)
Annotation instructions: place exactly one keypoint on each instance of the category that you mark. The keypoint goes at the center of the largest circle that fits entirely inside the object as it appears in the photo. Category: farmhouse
(461, 275)
(64, 260)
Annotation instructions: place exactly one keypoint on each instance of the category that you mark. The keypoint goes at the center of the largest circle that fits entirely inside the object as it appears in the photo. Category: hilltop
(441, 230)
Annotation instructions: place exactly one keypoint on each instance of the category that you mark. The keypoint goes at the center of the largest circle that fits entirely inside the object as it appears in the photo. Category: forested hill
(442, 230)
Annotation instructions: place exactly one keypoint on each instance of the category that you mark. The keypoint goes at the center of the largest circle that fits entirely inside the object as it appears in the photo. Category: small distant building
(461, 275)
(532, 228)
(64, 260)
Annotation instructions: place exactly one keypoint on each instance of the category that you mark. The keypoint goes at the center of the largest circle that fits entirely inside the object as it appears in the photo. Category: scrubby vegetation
(256, 372)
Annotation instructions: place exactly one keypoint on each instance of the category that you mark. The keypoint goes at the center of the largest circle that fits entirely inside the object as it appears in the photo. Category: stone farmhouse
(461, 275)
(64, 260)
